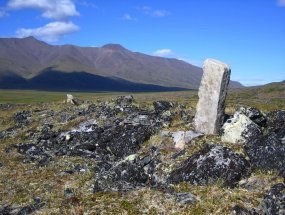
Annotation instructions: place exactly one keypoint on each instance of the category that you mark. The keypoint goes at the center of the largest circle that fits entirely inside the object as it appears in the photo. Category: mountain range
(28, 63)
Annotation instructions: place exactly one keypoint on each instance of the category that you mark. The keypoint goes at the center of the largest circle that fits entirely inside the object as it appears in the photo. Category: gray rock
(124, 101)
(254, 183)
(138, 119)
(212, 163)
(68, 193)
(240, 129)
(256, 116)
(267, 153)
(180, 138)
(20, 210)
(162, 106)
(276, 120)
(125, 175)
(22, 118)
(239, 210)
(212, 95)
(184, 197)
(274, 200)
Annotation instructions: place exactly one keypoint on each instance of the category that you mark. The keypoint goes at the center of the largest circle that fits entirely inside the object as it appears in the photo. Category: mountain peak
(27, 40)
(114, 47)
(30, 38)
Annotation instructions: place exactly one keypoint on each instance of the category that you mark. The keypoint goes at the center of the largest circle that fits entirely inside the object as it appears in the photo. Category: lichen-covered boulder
(124, 175)
(276, 120)
(267, 152)
(212, 163)
(240, 129)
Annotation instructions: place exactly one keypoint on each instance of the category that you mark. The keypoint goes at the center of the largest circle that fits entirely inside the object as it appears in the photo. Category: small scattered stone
(22, 118)
(239, 210)
(162, 106)
(17, 210)
(185, 198)
(254, 183)
(181, 138)
(68, 193)
(124, 101)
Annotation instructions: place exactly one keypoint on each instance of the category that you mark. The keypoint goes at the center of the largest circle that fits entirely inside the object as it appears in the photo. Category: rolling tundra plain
(115, 153)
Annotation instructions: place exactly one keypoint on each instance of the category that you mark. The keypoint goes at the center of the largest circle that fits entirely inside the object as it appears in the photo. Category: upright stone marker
(212, 95)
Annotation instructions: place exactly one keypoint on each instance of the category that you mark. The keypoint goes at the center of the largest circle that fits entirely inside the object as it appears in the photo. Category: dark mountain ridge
(52, 80)
(26, 59)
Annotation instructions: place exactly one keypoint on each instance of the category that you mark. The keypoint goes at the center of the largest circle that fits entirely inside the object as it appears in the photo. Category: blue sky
(249, 35)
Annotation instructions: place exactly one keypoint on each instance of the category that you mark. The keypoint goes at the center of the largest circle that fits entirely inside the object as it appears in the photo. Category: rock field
(130, 150)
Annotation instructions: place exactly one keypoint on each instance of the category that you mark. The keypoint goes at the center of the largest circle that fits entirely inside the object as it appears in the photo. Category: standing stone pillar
(212, 95)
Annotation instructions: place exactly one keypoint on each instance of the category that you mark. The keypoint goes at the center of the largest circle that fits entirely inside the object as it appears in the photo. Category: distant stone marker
(212, 95)
(69, 98)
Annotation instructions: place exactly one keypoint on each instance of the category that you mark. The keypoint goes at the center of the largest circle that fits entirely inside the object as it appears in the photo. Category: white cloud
(53, 9)
(153, 12)
(160, 13)
(50, 32)
(128, 17)
(164, 53)
(59, 10)
(168, 53)
(281, 3)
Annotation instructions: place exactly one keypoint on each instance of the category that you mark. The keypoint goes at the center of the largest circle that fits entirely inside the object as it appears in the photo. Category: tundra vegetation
(50, 164)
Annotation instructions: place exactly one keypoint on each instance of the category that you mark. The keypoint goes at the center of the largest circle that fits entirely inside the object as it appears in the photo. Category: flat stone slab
(212, 95)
